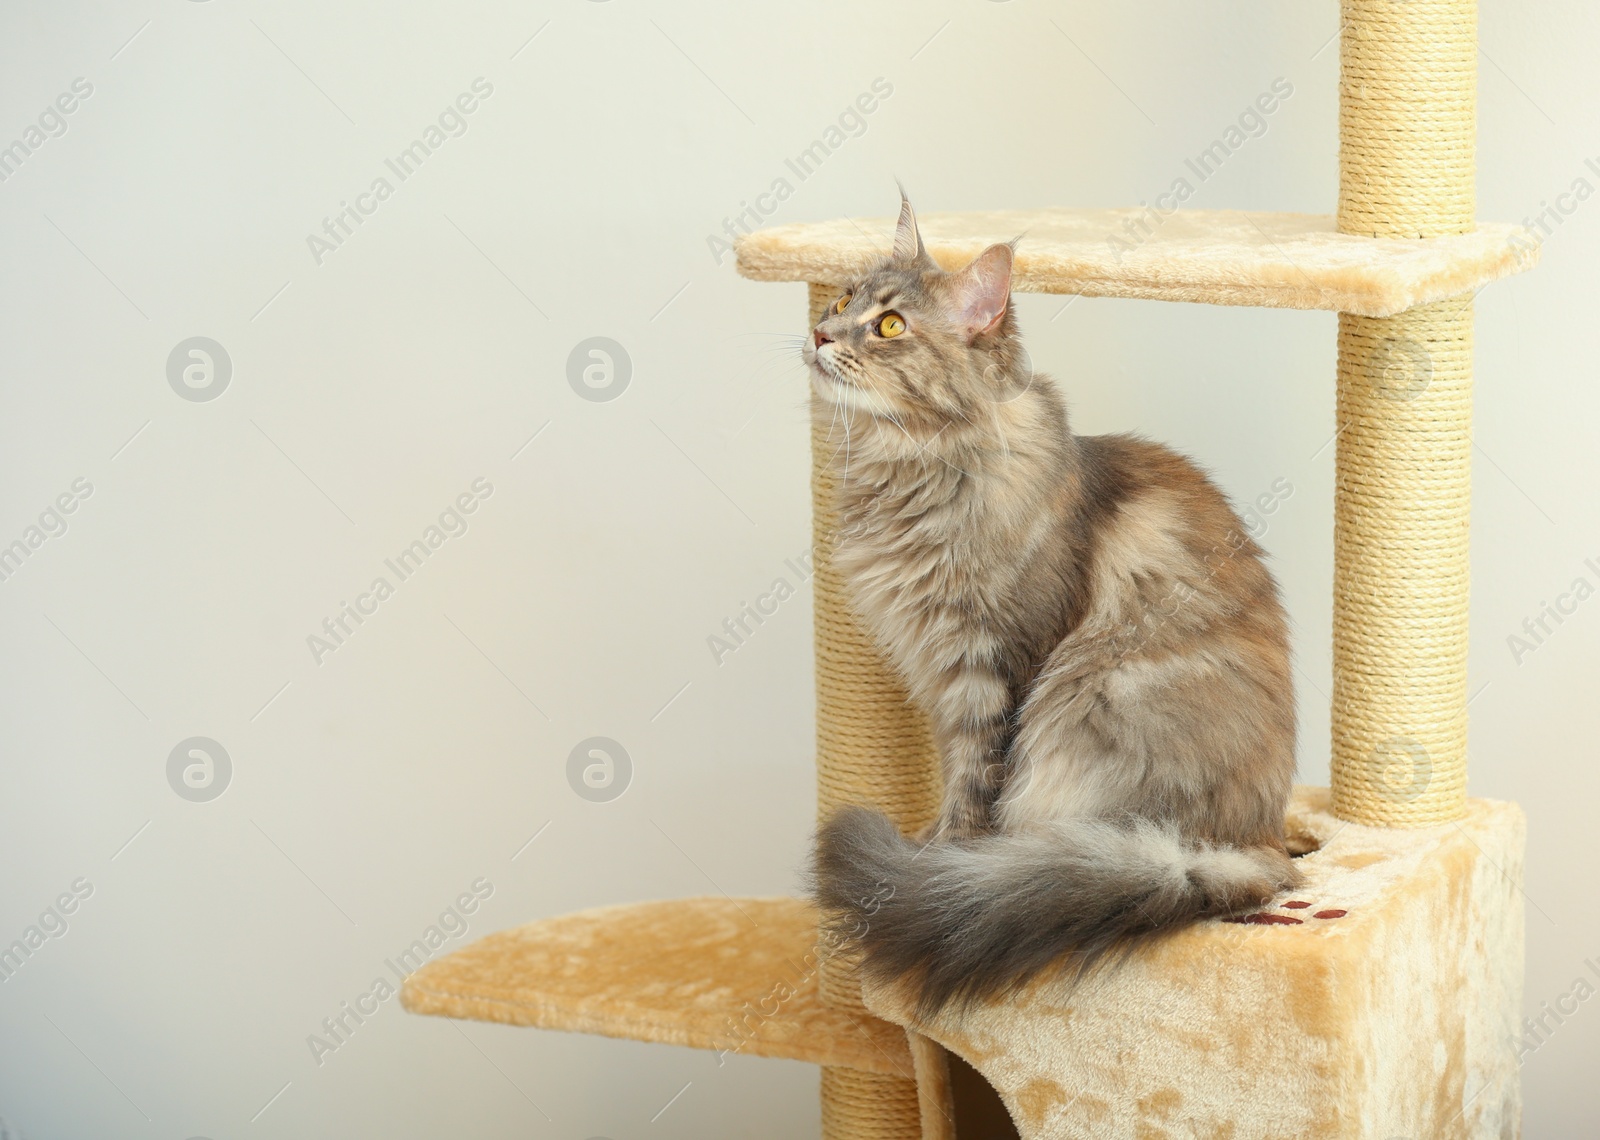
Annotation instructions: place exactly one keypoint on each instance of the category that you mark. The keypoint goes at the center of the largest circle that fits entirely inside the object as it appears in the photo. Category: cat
(1089, 628)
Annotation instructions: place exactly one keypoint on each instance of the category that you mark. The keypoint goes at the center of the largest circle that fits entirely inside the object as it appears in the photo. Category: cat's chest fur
(935, 563)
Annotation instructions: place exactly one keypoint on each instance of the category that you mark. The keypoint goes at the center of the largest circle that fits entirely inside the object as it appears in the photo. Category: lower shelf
(738, 975)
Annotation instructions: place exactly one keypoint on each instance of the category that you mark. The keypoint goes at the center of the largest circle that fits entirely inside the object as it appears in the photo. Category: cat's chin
(837, 391)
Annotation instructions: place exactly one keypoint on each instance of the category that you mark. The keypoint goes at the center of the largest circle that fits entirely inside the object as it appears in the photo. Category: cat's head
(910, 342)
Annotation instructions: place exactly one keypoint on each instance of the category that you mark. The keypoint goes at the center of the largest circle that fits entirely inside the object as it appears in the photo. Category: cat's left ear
(981, 291)
(908, 247)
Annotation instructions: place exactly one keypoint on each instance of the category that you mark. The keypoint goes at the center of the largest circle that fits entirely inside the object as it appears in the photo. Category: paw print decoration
(1270, 918)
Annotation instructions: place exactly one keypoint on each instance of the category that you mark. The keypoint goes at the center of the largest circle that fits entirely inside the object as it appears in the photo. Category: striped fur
(1088, 626)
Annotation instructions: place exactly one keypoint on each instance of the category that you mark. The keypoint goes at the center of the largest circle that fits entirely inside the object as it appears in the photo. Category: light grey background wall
(426, 357)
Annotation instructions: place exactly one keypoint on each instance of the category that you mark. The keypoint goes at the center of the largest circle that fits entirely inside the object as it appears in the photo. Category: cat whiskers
(833, 423)
(783, 346)
(846, 477)
(845, 446)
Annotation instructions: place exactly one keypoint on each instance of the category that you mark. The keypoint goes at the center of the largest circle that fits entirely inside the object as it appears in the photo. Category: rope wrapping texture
(1407, 140)
(1401, 507)
(868, 1106)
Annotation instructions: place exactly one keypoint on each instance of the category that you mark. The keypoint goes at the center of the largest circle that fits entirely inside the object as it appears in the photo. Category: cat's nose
(820, 338)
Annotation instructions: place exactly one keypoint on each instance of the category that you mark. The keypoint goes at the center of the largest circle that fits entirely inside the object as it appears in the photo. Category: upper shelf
(1215, 257)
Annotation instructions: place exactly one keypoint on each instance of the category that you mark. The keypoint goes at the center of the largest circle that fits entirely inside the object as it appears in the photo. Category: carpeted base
(1380, 1000)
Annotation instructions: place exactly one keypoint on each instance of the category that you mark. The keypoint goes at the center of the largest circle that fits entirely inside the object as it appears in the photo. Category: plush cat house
(1382, 998)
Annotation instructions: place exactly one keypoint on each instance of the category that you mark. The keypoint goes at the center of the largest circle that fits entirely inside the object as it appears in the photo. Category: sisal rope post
(1407, 102)
(873, 747)
(868, 1106)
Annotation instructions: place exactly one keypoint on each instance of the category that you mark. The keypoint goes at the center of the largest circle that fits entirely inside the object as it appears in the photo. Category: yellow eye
(839, 305)
(891, 324)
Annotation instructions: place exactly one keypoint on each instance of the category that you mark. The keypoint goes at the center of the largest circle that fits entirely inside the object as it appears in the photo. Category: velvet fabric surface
(1218, 257)
(1381, 999)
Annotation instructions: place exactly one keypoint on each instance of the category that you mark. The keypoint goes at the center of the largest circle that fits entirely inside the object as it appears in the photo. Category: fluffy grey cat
(1092, 633)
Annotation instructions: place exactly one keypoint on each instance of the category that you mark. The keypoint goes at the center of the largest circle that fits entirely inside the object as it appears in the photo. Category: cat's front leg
(974, 768)
(972, 720)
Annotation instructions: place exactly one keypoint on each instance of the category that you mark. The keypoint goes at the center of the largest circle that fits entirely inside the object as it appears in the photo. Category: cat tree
(1380, 1000)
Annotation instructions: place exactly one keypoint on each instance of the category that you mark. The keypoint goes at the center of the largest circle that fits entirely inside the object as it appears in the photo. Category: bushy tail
(972, 919)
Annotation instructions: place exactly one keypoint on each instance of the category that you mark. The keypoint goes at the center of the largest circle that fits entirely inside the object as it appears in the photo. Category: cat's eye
(842, 302)
(891, 324)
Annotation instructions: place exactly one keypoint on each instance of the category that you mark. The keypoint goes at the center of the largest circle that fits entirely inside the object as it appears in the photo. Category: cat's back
(1159, 516)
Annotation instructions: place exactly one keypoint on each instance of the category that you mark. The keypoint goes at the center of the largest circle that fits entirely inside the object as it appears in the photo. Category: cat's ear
(907, 238)
(980, 292)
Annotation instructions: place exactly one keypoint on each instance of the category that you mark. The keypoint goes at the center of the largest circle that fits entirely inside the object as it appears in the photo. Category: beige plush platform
(738, 975)
(1219, 257)
(1407, 948)
(1393, 1015)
